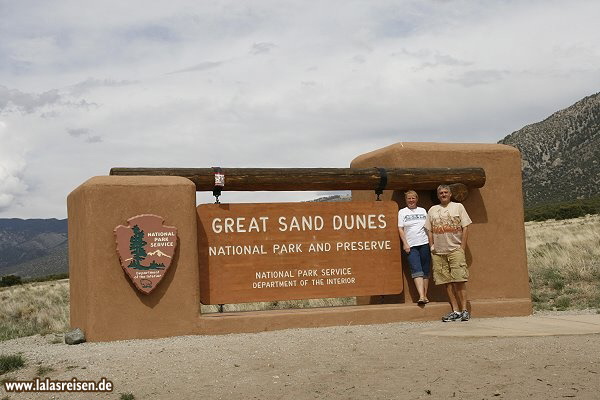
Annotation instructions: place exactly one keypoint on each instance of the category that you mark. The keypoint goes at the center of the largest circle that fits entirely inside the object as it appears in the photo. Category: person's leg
(452, 297)
(441, 276)
(455, 314)
(461, 293)
(425, 267)
(419, 285)
(414, 261)
(459, 275)
(460, 288)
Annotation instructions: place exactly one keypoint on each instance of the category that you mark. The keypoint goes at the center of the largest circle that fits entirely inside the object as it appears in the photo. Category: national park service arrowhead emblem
(146, 248)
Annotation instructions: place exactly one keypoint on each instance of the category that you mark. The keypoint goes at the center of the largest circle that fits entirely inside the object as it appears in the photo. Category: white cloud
(85, 134)
(16, 100)
(262, 47)
(272, 84)
(89, 84)
(12, 164)
(77, 132)
(203, 66)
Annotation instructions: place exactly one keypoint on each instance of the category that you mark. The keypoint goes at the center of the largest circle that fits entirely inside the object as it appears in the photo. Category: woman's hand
(407, 248)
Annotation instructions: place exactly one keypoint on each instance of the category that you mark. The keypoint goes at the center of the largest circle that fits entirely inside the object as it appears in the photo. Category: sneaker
(451, 316)
(465, 316)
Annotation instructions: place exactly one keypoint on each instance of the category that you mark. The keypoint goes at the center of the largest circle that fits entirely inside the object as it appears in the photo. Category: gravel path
(392, 361)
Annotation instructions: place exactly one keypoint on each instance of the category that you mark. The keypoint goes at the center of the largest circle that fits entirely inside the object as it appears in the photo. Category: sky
(86, 86)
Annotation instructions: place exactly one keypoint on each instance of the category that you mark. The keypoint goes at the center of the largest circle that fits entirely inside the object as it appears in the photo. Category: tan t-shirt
(445, 224)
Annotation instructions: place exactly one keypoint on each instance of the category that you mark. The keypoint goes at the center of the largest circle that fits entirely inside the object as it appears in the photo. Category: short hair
(411, 192)
(443, 187)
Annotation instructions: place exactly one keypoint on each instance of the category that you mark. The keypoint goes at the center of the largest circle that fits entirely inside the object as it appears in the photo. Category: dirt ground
(392, 361)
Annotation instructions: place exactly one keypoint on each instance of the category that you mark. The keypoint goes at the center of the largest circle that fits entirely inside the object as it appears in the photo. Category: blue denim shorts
(419, 260)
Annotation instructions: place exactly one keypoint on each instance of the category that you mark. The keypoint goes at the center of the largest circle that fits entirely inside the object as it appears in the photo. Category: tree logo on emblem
(146, 248)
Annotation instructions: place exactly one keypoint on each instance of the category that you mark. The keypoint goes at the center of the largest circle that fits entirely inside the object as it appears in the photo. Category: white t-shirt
(412, 221)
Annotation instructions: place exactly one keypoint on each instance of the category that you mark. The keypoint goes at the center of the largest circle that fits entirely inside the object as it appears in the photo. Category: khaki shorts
(450, 267)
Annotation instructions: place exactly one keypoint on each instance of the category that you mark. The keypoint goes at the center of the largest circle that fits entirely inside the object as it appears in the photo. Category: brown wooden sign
(285, 251)
(146, 248)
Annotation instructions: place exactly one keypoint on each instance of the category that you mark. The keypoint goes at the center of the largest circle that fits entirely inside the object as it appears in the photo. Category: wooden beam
(323, 179)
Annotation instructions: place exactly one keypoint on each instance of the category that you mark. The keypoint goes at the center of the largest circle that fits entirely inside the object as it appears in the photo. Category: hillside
(33, 247)
(561, 154)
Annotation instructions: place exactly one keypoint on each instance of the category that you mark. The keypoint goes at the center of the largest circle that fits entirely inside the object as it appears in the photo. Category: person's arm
(428, 229)
(405, 245)
(463, 243)
(465, 221)
(430, 238)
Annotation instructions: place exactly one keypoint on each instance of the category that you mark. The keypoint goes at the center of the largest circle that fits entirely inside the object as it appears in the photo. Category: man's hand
(407, 248)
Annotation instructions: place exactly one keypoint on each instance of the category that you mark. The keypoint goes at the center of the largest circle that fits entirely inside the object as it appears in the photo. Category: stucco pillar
(104, 303)
(496, 253)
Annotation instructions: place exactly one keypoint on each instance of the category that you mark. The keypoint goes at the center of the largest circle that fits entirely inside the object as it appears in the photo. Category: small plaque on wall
(146, 248)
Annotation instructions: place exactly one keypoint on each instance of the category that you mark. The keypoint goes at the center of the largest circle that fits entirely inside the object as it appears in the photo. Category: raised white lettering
(239, 224)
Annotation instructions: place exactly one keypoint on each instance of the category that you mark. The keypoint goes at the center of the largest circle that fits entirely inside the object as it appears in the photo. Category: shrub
(562, 302)
(11, 363)
(54, 277)
(10, 280)
(563, 210)
(553, 278)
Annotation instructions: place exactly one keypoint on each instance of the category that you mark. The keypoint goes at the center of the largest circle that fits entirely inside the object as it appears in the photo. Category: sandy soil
(392, 361)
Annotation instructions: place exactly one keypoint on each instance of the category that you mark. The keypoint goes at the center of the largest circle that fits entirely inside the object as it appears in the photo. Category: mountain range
(561, 154)
(33, 248)
(560, 162)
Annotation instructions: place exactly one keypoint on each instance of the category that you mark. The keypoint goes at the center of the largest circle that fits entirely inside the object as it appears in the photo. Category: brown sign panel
(146, 250)
(285, 251)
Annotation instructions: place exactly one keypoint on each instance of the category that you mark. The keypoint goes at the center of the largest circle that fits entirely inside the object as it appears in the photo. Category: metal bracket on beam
(382, 182)
(219, 183)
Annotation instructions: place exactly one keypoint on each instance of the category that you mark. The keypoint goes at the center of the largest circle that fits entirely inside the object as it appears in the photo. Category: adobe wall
(104, 303)
(496, 253)
(107, 306)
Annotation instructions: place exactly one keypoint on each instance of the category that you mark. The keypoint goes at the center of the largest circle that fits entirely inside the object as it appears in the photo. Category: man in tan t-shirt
(446, 227)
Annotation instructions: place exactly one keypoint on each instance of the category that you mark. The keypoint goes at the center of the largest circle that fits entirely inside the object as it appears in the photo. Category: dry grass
(564, 263)
(34, 308)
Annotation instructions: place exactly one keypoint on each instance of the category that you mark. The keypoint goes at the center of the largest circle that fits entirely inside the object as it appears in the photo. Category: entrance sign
(146, 249)
(285, 251)
(260, 249)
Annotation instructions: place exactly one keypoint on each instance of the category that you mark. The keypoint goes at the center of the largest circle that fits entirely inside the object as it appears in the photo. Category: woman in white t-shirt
(415, 243)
